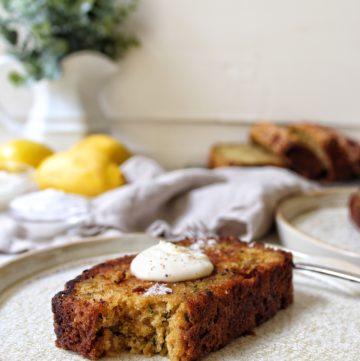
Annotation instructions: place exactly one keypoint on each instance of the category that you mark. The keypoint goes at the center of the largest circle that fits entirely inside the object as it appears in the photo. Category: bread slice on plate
(326, 144)
(281, 141)
(107, 310)
(223, 155)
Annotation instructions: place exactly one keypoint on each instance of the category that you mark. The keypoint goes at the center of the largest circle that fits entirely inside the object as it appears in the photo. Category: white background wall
(233, 61)
(244, 59)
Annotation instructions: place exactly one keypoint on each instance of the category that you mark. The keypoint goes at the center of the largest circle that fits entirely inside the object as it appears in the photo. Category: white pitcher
(65, 110)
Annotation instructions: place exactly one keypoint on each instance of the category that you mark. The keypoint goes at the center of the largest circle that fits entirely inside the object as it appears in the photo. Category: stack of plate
(318, 223)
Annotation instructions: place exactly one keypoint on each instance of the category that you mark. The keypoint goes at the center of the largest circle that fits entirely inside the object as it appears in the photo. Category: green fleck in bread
(106, 310)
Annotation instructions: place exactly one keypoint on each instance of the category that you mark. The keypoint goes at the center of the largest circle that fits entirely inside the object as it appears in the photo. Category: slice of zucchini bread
(281, 141)
(246, 155)
(106, 310)
(328, 146)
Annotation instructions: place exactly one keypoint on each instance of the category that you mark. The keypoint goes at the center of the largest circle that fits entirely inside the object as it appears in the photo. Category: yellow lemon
(108, 146)
(24, 151)
(83, 172)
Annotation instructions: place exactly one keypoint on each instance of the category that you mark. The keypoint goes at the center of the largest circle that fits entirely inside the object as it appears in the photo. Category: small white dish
(318, 223)
(48, 213)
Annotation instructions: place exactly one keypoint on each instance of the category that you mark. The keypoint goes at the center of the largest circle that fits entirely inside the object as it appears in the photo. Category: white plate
(318, 222)
(322, 324)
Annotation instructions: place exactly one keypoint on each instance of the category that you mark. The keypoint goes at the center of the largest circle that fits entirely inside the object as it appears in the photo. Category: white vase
(65, 110)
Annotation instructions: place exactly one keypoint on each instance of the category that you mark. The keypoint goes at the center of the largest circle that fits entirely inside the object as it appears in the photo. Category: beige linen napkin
(225, 201)
(186, 202)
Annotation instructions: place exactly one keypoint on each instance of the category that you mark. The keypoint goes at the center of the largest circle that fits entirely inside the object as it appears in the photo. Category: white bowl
(318, 223)
(48, 213)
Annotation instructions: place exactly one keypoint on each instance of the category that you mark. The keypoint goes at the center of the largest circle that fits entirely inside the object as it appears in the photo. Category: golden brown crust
(237, 154)
(283, 142)
(274, 137)
(216, 318)
(326, 143)
(249, 285)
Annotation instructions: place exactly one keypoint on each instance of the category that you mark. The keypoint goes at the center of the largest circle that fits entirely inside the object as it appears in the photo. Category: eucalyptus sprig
(41, 33)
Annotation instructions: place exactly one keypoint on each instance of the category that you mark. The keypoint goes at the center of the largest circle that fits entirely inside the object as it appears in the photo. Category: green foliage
(40, 33)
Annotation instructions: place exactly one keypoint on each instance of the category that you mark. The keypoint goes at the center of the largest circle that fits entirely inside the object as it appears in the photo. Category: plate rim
(79, 243)
(280, 217)
(13, 272)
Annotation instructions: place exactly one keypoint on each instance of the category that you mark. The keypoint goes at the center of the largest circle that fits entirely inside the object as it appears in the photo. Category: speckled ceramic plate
(322, 324)
(318, 222)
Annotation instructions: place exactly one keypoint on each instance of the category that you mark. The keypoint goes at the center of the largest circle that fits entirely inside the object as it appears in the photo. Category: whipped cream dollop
(168, 262)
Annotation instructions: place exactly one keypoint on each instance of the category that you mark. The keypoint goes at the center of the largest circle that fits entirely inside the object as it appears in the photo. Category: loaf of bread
(327, 145)
(222, 155)
(106, 310)
(281, 141)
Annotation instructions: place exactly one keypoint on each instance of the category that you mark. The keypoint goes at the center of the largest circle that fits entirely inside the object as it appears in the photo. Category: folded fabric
(225, 201)
(187, 202)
